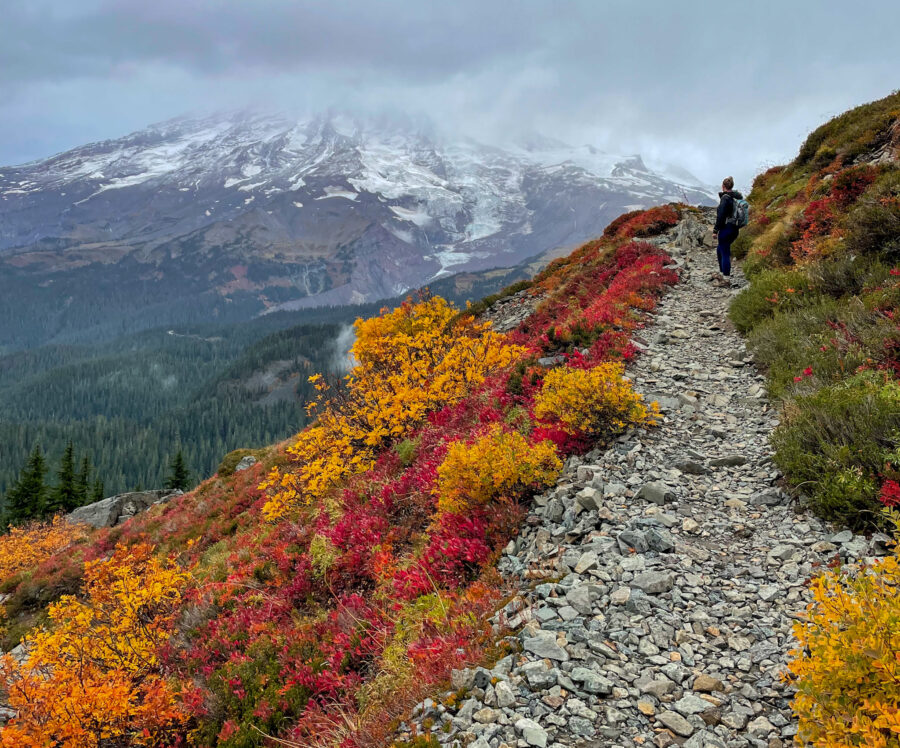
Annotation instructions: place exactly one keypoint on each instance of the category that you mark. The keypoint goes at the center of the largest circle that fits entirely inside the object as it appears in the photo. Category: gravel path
(658, 579)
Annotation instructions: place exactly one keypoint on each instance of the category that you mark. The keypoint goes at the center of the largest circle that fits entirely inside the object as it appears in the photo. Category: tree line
(31, 497)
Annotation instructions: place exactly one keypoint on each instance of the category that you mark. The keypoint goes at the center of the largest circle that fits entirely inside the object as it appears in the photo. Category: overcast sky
(717, 87)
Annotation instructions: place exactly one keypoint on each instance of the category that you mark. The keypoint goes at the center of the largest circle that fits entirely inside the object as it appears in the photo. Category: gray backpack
(740, 213)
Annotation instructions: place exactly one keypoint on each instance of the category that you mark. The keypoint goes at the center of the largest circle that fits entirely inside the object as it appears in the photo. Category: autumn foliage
(25, 547)
(94, 675)
(846, 669)
(409, 362)
(321, 592)
(592, 401)
(499, 463)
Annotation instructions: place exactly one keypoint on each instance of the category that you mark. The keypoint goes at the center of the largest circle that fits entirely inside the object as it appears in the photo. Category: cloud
(715, 87)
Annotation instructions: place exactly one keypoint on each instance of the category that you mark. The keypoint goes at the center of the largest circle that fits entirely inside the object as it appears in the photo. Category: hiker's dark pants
(726, 236)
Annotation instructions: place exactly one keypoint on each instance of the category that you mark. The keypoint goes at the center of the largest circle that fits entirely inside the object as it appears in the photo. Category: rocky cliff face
(247, 213)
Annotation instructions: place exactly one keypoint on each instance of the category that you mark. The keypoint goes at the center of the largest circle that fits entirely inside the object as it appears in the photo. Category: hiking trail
(659, 580)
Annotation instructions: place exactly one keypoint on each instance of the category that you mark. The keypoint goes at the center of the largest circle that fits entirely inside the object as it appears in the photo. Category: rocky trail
(659, 580)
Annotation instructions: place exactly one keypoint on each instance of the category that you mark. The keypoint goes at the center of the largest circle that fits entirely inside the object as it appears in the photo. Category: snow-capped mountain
(268, 212)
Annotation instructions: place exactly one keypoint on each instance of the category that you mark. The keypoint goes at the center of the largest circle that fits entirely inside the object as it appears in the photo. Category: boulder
(245, 463)
(114, 510)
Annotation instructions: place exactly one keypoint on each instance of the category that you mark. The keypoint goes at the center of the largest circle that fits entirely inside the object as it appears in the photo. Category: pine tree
(64, 497)
(26, 499)
(83, 482)
(98, 492)
(179, 476)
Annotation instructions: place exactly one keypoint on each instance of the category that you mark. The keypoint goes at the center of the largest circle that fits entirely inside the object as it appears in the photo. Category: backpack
(740, 213)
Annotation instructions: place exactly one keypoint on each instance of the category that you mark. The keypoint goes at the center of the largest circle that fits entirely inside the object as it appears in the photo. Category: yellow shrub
(846, 669)
(500, 463)
(410, 361)
(592, 401)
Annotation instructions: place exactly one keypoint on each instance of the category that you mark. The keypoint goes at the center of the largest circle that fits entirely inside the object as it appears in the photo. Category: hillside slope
(823, 258)
(317, 594)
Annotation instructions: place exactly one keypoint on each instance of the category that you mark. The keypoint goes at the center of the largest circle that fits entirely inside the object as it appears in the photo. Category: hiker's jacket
(726, 208)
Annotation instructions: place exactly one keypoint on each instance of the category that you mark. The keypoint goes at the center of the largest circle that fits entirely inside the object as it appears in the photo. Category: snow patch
(332, 191)
(418, 215)
(404, 236)
(297, 205)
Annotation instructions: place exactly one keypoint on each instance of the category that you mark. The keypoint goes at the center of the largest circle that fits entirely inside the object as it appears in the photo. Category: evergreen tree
(26, 499)
(83, 482)
(64, 497)
(98, 493)
(179, 476)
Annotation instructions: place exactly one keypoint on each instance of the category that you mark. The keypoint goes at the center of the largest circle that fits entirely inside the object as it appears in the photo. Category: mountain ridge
(256, 212)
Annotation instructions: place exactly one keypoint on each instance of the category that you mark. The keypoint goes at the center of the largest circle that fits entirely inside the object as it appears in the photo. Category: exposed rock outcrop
(114, 510)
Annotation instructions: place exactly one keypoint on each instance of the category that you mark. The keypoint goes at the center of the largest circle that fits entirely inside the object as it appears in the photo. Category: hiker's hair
(728, 183)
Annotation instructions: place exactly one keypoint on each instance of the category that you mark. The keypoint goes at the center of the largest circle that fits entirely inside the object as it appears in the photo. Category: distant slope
(222, 218)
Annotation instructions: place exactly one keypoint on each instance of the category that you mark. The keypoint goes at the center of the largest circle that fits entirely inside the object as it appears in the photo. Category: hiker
(729, 219)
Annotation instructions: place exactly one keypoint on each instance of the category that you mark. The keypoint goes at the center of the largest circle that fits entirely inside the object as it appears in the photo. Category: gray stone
(632, 541)
(734, 720)
(660, 540)
(543, 644)
(676, 723)
(581, 727)
(588, 498)
(729, 461)
(691, 467)
(704, 739)
(248, 461)
(654, 582)
(581, 598)
(505, 695)
(591, 682)
(656, 492)
(115, 510)
(487, 716)
(658, 688)
(691, 704)
(771, 497)
(538, 675)
(532, 733)
(587, 561)
(760, 727)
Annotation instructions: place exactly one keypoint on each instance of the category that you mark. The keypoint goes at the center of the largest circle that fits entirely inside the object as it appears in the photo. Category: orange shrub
(26, 547)
(93, 678)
